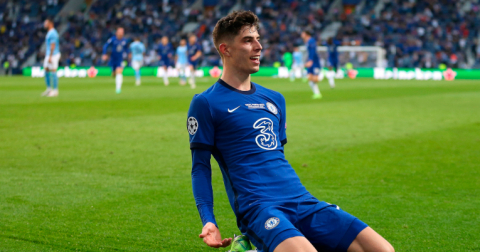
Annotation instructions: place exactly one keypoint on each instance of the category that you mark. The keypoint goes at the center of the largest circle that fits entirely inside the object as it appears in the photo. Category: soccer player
(137, 50)
(297, 63)
(165, 54)
(332, 60)
(52, 57)
(182, 60)
(243, 125)
(119, 51)
(194, 53)
(312, 64)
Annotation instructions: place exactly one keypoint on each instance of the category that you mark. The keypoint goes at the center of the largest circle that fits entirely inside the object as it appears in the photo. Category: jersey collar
(251, 91)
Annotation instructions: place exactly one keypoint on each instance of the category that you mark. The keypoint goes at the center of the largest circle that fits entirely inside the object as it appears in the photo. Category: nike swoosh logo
(230, 111)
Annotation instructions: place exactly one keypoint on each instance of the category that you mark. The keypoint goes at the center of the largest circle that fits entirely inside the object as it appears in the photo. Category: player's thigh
(328, 228)
(295, 244)
(370, 241)
(55, 61)
(270, 226)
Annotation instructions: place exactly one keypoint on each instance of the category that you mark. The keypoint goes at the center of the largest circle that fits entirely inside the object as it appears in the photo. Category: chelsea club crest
(272, 223)
(272, 108)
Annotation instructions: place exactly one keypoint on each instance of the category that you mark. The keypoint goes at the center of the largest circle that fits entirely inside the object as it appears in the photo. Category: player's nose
(257, 47)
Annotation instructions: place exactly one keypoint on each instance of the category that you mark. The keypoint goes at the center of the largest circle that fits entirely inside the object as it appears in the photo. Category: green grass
(94, 171)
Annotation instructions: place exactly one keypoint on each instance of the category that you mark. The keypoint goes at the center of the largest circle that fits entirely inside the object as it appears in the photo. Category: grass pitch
(91, 170)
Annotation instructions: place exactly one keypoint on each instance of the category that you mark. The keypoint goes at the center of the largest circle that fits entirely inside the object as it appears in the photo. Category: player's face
(183, 42)
(245, 50)
(164, 40)
(46, 24)
(192, 39)
(120, 33)
(304, 36)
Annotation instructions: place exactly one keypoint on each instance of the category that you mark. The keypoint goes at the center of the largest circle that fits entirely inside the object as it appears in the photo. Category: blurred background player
(182, 61)
(194, 53)
(165, 54)
(52, 57)
(118, 52)
(297, 63)
(312, 64)
(332, 45)
(137, 49)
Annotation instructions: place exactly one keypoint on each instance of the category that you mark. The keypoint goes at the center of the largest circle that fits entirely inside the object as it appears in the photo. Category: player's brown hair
(229, 26)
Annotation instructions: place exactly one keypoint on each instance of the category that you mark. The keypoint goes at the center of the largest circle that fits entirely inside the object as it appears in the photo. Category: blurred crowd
(414, 33)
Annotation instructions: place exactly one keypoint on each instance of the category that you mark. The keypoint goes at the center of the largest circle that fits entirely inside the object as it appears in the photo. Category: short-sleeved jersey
(245, 130)
(312, 52)
(119, 48)
(182, 57)
(297, 58)
(137, 49)
(165, 51)
(193, 49)
(52, 38)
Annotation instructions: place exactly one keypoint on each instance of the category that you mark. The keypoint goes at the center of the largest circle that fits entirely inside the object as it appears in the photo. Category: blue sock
(47, 79)
(137, 75)
(55, 80)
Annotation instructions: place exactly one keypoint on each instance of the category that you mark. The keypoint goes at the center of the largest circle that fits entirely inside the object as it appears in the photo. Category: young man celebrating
(118, 53)
(312, 64)
(52, 57)
(242, 124)
(137, 50)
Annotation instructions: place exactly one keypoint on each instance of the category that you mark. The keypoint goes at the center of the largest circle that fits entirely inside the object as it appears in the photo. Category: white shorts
(181, 66)
(136, 64)
(53, 65)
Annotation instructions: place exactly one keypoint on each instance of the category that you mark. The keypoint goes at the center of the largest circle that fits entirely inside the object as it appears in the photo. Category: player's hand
(309, 64)
(50, 59)
(104, 57)
(212, 237)
(193, 58)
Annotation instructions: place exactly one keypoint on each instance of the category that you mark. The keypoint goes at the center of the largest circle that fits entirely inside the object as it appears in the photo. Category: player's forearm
(52, 47)
(202, 184)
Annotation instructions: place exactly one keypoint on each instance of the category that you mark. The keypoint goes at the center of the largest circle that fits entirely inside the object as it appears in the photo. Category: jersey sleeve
(106, 45)
(283, 121)
(200, 124)
(311, 50)
(202, 184)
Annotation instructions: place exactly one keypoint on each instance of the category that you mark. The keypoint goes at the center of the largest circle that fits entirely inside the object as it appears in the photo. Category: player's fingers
(226, 242)
(210, 241)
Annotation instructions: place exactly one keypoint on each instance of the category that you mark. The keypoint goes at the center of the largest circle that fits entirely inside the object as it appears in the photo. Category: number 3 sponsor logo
(266, 139)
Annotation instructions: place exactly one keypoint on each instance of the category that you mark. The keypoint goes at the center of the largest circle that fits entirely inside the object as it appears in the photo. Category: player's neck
(51, 28)
(239, 81)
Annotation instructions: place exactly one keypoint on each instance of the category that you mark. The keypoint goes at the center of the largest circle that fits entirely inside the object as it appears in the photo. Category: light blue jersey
(52, 38)
(137, 49)
(182, 55)
(297, 58)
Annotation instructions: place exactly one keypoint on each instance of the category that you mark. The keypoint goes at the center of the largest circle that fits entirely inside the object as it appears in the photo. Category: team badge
(192, 125)
(266, 139)
(272, 108)
(272, 223)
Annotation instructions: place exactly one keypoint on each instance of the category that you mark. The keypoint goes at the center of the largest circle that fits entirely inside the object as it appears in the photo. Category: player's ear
(224, 49)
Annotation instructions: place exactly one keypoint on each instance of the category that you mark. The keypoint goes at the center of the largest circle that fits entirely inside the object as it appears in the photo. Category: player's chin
(254, 69)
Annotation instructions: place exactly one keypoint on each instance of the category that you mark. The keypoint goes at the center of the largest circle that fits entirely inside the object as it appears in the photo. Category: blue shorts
(193, 63)
(165, 62)
(116, 64)
(313, 70)
(326, 226)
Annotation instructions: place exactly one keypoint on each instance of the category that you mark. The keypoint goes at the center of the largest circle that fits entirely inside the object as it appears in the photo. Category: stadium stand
(417, 33)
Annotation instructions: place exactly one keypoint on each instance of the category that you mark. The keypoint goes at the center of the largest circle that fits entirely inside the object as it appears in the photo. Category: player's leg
(165, 75)
(293, 71)
(331, 75)
(192, 75)
(181, 73)
(53, 75)
(136, 65)
(369, 240)
(47, 77)
(312, 76)
(329, 228)
(295, 244)
(118, 79)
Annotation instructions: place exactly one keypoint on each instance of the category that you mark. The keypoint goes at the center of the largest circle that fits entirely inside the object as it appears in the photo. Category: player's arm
(197, 55)
(311, 52)
(283, 121)
(105, 48)
(52, 47)
(201, 130)
(130, 53)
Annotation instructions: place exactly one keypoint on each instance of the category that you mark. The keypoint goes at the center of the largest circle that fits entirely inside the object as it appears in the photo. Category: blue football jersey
(193, 49)
(165, 51)
(245, 131)
(333, 50)
(312, 52)
(119, 48)
(52, 38)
